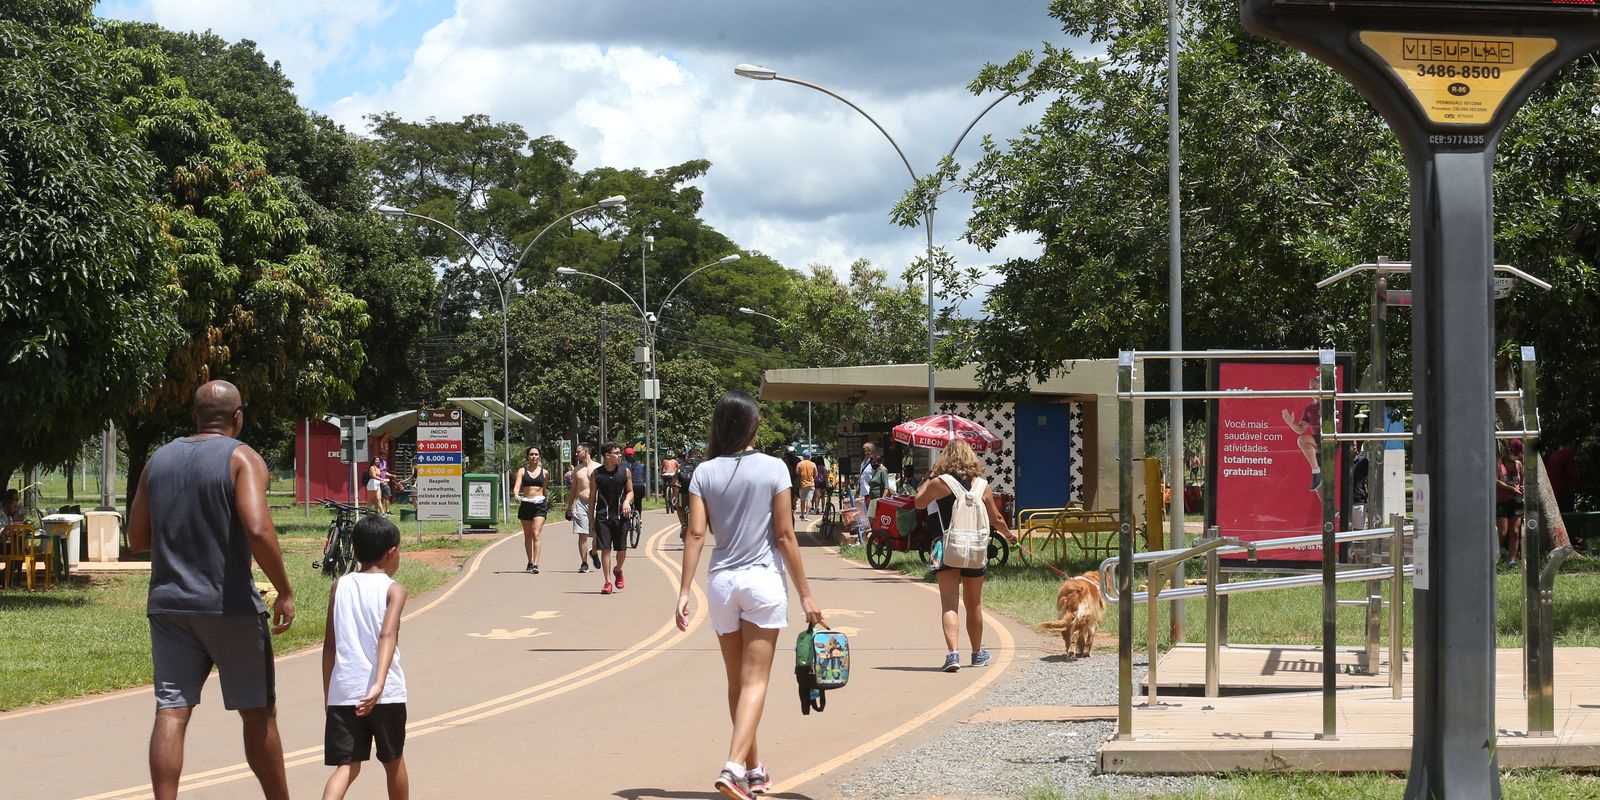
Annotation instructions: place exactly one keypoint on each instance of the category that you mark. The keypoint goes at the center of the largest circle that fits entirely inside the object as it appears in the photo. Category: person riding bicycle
(669, 481)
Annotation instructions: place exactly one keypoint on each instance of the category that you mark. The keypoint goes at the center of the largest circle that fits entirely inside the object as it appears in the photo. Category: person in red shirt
(1563, 474)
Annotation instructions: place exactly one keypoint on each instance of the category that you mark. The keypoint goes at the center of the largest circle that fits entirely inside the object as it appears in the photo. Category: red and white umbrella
(941, 429)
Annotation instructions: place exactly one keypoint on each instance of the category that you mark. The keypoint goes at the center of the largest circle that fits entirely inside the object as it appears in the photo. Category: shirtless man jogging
(578, 508)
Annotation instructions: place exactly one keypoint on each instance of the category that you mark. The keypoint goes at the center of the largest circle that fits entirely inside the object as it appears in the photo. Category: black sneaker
(594, 558)
(1316, 481)
(531, 568)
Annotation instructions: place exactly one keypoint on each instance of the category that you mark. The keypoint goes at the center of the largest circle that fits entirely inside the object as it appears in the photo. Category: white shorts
(373, 484)
(580, 518)
(756, 594)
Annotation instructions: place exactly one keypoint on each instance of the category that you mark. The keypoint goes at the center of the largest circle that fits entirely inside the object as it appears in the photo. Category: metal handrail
(1157, 577)
(1268, 584)
(1108, 585)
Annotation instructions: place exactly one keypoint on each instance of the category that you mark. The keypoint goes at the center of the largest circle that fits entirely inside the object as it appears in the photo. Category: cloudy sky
(649, 83)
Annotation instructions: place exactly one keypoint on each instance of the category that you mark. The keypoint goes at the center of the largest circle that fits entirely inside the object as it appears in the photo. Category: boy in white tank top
(362, 683)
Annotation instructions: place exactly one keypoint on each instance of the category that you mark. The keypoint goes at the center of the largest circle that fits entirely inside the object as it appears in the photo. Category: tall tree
(85, 296)
(255, 299)
(328, 174)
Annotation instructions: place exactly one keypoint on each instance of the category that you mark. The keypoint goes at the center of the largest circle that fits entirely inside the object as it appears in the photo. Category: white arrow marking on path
(538, 615)
(502, 633)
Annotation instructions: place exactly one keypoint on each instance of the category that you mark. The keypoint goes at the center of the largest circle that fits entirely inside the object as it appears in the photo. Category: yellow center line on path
(472, 569)
(611, 665)
(991, 674)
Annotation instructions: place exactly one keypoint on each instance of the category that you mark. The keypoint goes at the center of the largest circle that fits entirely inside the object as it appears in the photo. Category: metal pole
(928, 223)
(1175, 314)
(1538, 645)
(505, 400)
(1378, 415)
(1453, 752)
(108, 467)
(1125, 547)
(1213, 619)
(604, 423)
(1330, 552)
(1397, 625)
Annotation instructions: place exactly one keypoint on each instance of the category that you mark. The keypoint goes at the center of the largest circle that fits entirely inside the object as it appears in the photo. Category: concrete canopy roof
(480, 407)
(908, 383)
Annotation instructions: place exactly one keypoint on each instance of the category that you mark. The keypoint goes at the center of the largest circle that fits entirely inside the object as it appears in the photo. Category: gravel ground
(1008, 759)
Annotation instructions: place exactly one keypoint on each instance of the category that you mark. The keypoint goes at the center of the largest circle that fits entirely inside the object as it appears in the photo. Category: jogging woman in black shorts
(532, 505)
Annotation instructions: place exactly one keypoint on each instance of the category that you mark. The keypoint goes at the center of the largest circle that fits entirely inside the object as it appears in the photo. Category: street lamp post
(760, 73)
(500, 280)
(651, 323)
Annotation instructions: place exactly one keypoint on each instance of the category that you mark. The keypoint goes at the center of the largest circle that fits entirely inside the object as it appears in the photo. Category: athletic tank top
(358, 608)
(610, 487)
(199, 556)
(529, 479)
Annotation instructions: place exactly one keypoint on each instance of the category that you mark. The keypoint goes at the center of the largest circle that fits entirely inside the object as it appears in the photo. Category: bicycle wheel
(347, 553)
(330, 554)
(999, 550)
(634, 527)
(879, 552)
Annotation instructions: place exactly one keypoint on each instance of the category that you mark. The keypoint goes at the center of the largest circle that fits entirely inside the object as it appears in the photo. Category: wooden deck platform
(1279, 731)
(1258, 668)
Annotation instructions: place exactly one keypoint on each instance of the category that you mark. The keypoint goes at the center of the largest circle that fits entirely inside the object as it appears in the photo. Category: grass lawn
(93, 636)
(1518, 785)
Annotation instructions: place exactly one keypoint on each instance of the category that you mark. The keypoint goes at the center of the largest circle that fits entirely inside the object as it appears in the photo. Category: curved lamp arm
(841, 98)
(571, 271)
(724, 260)
(609, 202)
(392, 212)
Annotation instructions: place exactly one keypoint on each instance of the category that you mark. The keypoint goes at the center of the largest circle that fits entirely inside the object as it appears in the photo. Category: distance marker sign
(439, 464)
(1458, 79)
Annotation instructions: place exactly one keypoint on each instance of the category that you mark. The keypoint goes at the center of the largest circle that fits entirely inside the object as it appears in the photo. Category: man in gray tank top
(201, 511)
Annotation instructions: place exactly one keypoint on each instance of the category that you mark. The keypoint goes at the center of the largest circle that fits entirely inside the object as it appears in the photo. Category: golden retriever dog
(1081, 605)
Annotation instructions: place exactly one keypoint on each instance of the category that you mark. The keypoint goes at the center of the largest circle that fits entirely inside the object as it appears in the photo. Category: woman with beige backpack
(961, 509)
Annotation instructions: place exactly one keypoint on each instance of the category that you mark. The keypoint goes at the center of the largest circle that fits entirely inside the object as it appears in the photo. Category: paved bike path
(524, 685)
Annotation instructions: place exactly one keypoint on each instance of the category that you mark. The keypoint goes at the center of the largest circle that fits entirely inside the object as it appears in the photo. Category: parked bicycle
(338, 550)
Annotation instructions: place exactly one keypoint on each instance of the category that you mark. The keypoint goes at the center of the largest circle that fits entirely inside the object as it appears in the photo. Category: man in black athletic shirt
(610, 504)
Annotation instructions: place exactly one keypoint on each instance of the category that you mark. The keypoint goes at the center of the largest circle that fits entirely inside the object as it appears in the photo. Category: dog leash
(1024, 548)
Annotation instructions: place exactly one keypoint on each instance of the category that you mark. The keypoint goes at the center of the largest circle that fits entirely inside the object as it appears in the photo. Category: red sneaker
(606, 589)
(618, 573)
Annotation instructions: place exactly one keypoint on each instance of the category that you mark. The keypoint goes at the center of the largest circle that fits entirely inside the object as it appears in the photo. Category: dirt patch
(447, 559)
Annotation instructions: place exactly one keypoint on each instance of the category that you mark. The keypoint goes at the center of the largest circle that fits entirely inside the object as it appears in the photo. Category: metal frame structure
(1539, 574)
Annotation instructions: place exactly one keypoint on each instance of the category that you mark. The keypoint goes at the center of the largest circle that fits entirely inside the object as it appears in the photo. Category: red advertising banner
(1264, 481)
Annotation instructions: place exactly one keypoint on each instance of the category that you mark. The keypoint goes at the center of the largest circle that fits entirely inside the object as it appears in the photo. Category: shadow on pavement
(666, 794)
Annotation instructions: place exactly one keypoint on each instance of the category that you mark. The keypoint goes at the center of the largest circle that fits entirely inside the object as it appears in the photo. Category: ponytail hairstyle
(733, 424)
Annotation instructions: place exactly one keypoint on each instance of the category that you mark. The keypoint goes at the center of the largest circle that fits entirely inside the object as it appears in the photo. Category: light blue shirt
(866, 479)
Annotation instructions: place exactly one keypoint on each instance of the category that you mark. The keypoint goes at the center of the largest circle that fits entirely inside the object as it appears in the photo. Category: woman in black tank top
(532, 506)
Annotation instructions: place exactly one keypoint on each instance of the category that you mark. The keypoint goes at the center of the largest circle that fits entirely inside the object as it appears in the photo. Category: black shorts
(347, 738)
(527, 510)
(967, 572)
(639, 494)
(611, 534)
(1509, 509)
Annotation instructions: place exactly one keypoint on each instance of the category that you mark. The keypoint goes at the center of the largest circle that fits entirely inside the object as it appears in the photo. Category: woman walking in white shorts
(744, 496)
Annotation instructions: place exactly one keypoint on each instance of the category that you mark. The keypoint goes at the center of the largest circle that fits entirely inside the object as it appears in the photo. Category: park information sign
(439, 464)
(1447, 76)
(1266, 482)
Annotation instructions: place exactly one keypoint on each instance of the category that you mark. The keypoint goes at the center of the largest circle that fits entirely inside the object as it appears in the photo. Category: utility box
(480, 507)
(68, 527)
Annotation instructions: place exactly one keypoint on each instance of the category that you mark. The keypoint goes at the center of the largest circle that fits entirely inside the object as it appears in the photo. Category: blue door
(1044, 455)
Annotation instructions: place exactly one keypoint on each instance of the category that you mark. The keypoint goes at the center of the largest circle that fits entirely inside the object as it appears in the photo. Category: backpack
(966, 532)
(821, 662)
(686, 473)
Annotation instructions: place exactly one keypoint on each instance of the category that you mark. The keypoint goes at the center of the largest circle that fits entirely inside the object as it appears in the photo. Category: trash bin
(69, 527)
(480, 507)
(104, 532)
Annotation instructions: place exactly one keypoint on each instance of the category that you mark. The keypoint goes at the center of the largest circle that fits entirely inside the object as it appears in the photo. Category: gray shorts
(580, 518)
(184, 647)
